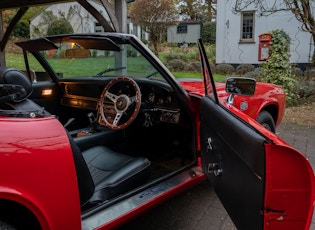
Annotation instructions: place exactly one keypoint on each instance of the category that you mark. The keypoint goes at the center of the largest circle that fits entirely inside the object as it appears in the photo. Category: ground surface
(301, 115)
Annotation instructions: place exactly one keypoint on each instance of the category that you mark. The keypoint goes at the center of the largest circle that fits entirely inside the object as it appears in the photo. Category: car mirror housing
(240, 86)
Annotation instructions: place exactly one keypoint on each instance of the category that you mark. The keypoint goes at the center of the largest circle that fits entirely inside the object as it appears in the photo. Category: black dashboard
(158, 100)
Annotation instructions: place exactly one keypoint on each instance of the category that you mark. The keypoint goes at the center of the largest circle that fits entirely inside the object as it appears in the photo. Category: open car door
(262, 182)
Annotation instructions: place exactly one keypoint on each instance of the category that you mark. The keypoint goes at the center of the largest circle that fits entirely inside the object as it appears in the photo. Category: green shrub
(257, 74)
(22, 29)
(193, 67)
(131, 53)
(306, 88)
(59, 26)
(277, 69)
(297, 72)
(190, 55)
(171, 56)
(209, 32)
(212, 66)
(176, 65)
(210, 50)
(224, 69)
(244, 68)
(310, 74)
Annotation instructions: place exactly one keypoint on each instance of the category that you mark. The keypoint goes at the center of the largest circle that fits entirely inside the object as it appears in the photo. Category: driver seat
(102, 173)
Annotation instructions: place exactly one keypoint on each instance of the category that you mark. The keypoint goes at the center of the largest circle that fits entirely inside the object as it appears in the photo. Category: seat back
(85, 181)
(11, 76)
(15, 89)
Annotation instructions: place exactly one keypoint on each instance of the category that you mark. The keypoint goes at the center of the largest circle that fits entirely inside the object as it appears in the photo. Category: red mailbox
(263, 47)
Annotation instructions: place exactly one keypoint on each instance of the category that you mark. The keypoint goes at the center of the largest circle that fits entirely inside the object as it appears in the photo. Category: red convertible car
(103, 132)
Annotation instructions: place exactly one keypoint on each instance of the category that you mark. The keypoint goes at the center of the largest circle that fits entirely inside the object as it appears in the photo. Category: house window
(182, 29)
(247, 28)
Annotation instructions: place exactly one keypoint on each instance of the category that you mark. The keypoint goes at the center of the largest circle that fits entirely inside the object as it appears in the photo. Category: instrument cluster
(157, 97)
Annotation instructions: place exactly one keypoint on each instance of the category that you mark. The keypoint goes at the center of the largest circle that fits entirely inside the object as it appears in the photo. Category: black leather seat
(101, 172)
(14, 98)
(104, 174)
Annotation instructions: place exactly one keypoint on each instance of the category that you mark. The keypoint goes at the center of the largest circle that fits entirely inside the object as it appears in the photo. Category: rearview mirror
(240, 86)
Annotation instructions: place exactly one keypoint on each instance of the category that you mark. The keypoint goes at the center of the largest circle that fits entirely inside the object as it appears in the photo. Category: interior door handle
(209, 144)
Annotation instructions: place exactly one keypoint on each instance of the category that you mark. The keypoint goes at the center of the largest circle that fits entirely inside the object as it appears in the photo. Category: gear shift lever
(93, 121)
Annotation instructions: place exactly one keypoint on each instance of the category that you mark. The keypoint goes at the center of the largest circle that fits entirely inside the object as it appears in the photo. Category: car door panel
(262, 182)
(233, 157)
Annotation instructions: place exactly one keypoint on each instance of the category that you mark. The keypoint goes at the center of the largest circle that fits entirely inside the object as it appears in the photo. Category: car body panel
(43, 177)
(266, 96)
(289, 179)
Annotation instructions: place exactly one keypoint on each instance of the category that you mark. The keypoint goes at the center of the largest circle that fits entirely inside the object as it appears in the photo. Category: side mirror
(240, 86)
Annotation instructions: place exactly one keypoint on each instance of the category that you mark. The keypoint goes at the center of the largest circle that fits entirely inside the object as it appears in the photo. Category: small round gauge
(168, 99)
(151, 97)
(161, 101)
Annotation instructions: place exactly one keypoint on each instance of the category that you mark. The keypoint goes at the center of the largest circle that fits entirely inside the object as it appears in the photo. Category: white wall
(192, 35)
(229, 50)
(82, 21)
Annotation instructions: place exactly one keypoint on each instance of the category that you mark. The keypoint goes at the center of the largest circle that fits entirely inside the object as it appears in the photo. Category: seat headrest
(15, 77)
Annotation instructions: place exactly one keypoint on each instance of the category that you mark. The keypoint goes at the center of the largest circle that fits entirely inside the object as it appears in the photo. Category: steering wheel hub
(122, 103)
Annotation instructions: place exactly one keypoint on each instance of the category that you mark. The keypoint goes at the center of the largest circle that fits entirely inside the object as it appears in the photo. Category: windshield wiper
(109, 69)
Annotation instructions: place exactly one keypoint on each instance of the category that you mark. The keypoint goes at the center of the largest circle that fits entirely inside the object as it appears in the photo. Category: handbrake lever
(69, 122)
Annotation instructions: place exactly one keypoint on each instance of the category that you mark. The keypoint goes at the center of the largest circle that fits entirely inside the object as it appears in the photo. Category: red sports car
(104, 132)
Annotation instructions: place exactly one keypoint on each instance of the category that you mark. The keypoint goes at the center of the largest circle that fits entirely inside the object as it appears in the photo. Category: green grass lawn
(80, 67)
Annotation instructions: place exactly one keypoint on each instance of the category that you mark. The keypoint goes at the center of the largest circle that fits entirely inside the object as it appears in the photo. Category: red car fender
(266, 97)
(23, 199)
(298, 186)
(43, 178)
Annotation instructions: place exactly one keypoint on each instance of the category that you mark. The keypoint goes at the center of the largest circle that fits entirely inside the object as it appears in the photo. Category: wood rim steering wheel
(119, 103)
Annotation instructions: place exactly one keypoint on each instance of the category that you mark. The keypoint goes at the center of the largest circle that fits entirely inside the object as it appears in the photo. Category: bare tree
(154, 17)
(302, 10)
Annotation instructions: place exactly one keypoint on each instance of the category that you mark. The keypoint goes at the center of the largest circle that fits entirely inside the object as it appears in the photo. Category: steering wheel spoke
(133, 99)
(117, 118)
(111, 96)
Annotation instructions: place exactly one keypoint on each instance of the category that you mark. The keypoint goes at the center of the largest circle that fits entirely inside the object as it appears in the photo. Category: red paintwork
(298, 188)
(265, 95)
(43, 178)
(51, 192)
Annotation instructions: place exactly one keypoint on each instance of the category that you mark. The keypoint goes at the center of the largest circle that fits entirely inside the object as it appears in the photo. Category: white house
(237, 36)
(79, 18)
(184, 33)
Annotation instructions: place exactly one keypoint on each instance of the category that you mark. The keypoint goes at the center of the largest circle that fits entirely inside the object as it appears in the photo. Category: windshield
(72, 61)
(81, 56)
